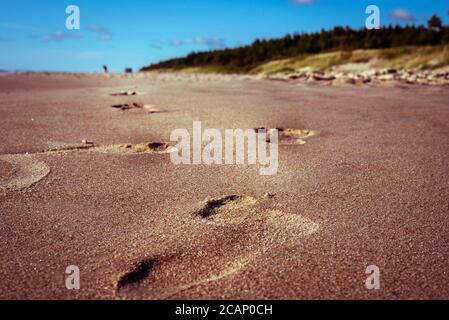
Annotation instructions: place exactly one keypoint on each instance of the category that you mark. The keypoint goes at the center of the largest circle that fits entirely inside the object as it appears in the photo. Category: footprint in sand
(235, 209)
(159, 277)
(20, 171)
(271, 227)
(127, 148)
(288, 136)
(124, 93)
(137, 105)
(140, 148)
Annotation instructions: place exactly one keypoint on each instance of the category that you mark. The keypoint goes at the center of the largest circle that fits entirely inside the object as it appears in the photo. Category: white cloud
(211, 42)
(103, 34)
(13, 27)
(155, 46)
(301, 2)
(57, 36)
(401, 15)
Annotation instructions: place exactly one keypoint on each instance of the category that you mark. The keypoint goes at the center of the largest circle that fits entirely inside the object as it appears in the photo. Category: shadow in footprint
(136, 276)
(210, 206)
(231, 209)
(123, 106)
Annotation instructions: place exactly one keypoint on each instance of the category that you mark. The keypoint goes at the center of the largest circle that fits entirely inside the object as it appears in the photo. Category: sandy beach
(86, 182)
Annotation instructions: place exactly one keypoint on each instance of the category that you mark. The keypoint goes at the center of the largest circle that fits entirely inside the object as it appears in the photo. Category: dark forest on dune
(245, 58)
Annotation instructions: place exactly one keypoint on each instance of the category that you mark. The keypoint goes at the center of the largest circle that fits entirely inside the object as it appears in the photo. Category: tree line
(245, 58)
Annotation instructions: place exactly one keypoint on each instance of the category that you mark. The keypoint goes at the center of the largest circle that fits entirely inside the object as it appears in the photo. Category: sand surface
(370, 186)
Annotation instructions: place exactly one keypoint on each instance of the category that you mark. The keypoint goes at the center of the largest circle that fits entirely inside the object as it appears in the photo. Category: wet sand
(81, 185)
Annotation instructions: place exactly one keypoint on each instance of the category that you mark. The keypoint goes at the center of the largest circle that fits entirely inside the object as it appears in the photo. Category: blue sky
(134, 33)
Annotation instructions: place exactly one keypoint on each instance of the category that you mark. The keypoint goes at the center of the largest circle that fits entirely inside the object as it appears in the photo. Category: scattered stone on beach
(383, 76)
(323, 77)
(269, 195)
(366, 80)
(386, 77)
(87, 142)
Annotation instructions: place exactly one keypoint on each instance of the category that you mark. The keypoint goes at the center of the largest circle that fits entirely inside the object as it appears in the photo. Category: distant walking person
(105, 68)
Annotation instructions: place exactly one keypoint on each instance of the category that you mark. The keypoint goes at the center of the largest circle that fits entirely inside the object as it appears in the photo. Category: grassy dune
(432, 57)
(410, 57)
